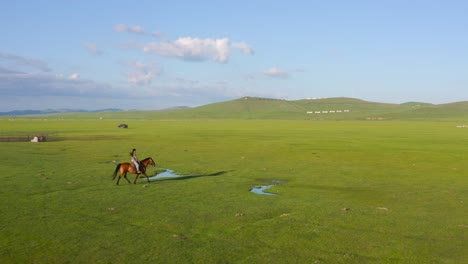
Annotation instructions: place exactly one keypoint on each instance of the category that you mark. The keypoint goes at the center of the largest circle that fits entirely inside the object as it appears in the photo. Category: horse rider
(135, 160)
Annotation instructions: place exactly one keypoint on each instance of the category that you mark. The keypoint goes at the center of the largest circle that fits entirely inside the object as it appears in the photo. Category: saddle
(140, 167)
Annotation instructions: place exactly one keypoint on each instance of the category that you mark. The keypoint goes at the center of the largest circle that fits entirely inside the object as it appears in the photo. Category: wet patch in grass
(260, 189)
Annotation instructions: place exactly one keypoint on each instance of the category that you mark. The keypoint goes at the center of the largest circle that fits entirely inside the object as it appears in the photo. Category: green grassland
(352, 191)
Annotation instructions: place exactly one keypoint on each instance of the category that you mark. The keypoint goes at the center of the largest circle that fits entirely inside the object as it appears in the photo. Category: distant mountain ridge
(55, 111)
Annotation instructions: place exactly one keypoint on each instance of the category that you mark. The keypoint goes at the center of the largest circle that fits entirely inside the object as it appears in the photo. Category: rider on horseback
(135, 160)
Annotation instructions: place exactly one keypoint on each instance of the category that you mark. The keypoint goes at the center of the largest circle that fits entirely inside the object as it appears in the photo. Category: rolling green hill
(340, 108)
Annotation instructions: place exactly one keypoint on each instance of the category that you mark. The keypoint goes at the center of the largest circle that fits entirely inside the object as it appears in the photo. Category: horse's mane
(148, 158)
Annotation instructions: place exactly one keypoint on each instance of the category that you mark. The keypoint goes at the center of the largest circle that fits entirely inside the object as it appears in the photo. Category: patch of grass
(353, 192)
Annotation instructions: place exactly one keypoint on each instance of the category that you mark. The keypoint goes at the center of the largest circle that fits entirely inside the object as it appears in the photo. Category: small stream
(258, 189)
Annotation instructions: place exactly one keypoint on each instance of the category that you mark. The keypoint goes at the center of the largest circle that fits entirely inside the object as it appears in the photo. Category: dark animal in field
(128, 167)
(123, 126)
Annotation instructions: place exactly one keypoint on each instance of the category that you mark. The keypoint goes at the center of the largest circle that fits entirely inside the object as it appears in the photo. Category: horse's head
(148, 161)
(152, 162)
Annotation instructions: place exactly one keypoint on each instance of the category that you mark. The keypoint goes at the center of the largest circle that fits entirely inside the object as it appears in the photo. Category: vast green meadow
(346, 192)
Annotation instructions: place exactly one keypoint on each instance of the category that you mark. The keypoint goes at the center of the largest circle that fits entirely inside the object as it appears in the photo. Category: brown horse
(128, 167)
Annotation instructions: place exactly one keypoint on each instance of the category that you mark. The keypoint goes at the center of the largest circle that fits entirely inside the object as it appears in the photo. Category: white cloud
(74, 76)
(136, 29)
(192, 49)
(276, 73)
(92, 48)
(185, 48)
(242, 46)
(142, 73)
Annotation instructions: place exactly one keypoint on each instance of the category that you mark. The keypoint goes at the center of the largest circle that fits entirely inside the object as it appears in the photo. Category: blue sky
(159, 54)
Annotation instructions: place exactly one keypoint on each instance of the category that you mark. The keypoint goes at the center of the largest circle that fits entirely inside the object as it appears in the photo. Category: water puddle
(261, 188)
(165, 174)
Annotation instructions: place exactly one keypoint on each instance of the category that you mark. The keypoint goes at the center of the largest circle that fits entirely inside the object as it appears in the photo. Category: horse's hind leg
(136, 178)
(125, 176)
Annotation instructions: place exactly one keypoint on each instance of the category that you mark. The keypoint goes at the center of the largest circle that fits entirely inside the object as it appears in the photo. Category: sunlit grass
(353, 192)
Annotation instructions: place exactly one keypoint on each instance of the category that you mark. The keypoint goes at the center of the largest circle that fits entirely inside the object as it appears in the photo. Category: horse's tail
(116, 170)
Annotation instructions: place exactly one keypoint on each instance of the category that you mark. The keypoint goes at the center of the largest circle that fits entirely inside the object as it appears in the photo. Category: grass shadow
(187, 177)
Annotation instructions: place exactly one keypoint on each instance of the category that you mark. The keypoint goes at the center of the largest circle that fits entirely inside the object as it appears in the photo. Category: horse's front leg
(147, 178)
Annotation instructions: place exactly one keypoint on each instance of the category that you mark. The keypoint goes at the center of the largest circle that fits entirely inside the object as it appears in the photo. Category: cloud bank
(25, 79)
(12, 61)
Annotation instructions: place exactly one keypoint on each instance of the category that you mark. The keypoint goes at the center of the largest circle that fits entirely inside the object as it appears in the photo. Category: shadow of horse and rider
(128, 167)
